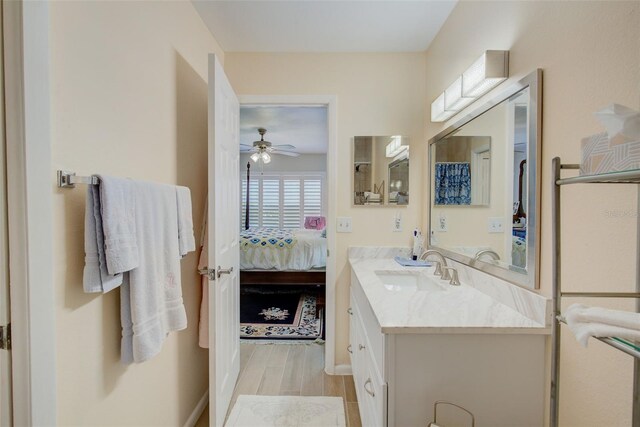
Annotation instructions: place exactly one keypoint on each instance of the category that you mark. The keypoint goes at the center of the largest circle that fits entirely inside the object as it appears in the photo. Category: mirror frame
(530, 280)
(352, 179)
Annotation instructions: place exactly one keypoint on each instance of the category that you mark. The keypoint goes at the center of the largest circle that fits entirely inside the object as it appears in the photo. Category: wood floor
(291, 370)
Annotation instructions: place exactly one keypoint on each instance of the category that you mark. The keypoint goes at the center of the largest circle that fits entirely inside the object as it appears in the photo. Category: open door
(6, 418)
(224, 232)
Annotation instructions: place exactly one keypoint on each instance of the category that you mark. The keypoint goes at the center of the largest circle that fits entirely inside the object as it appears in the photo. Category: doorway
(283, 245)
(307, 107)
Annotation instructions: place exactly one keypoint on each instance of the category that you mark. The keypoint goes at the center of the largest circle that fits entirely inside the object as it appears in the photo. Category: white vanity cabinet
(499, 377)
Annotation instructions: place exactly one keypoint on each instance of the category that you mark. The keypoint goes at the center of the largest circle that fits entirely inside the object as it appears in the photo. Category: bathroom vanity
(415, 339)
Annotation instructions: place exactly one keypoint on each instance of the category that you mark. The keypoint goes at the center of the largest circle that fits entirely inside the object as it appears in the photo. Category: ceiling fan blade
(246, 145)
(249, 150)
(284, 147)
(286, 153)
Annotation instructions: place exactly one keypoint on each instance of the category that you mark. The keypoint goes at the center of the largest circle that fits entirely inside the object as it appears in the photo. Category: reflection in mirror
(482, 194)
(462, 170)
(380, 170)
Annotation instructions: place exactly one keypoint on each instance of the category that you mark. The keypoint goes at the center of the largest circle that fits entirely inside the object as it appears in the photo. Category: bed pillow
(314, 222)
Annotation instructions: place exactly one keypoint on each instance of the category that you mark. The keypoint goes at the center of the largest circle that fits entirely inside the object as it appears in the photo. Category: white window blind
(283, 200)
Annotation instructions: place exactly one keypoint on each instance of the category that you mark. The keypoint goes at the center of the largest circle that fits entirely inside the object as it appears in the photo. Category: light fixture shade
(438, 113)
(488, 71)
(266, 158)
(255, 157)
(395, 146)
(453, 98)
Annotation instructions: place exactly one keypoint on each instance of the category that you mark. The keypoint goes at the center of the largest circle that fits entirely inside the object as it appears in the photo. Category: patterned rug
(289, 314)
(287, 411)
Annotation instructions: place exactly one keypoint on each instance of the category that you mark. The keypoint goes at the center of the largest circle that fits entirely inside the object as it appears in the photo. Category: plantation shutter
(283, 200)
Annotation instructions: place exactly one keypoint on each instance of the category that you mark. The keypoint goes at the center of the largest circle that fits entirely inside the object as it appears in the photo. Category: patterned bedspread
(283, 250)
(267, 238)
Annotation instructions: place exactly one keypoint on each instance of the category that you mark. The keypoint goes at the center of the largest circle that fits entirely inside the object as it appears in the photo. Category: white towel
(118, 209)
(151, 298)
(587, 322)
(95, 277)
(187, 241)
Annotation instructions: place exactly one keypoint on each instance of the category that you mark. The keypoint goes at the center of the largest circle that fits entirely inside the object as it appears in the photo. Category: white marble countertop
(451, 310)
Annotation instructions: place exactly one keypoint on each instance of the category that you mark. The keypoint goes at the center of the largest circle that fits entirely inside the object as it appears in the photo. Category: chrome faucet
(489, 253)
(454, 276)
(442, 262)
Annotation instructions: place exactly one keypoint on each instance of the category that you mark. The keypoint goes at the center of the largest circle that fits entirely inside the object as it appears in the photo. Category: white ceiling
(303, 127)
(324, 25)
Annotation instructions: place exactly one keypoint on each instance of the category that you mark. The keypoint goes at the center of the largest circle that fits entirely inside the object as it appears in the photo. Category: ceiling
(324, 25)
(303, 127)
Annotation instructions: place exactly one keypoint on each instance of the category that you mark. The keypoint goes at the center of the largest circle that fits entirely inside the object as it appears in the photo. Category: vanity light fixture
(488, 71)
(395, 147)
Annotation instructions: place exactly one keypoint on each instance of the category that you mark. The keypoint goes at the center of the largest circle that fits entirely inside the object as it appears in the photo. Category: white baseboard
(342, 370)
(198, 410)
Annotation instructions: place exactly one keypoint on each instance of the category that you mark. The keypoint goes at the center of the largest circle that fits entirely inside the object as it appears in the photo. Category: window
(282, 200)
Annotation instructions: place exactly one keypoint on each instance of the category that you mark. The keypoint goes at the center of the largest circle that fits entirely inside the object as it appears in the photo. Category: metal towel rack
(68, 179)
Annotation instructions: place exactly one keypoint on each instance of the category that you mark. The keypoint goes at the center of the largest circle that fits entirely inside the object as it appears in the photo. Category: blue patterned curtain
(453, 184)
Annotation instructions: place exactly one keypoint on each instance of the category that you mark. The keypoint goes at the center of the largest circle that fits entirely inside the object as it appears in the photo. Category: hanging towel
(587, 322)
(186, 239)
(151, 295)
(203, 329)
(95, 277)
(118, 209)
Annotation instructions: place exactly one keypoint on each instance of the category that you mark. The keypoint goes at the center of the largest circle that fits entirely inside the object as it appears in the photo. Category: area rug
(290, 314)
(287, 411)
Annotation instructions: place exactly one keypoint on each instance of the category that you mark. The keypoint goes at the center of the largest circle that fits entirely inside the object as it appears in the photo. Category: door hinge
(5, 337)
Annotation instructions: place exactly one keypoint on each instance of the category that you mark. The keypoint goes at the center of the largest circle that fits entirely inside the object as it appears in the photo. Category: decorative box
(601, 154)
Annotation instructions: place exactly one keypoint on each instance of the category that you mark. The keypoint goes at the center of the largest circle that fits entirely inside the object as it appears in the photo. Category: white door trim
(30, 182)
(331, 102)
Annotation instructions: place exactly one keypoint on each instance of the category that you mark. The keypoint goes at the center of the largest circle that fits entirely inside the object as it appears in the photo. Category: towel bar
(68, 179)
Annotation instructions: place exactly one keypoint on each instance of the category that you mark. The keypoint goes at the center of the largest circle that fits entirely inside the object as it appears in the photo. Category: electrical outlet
(495, 225)
(442, 223)
(343, 224)
(396, 225)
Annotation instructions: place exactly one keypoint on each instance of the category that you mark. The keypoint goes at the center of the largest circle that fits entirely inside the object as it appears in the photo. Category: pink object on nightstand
(315, 222)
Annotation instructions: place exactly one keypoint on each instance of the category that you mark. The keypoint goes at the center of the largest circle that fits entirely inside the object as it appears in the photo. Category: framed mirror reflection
(485, 180)
(380, 171)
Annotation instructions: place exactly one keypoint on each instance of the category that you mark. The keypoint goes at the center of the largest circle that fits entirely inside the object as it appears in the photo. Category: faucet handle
(438, 270)
(454, 276)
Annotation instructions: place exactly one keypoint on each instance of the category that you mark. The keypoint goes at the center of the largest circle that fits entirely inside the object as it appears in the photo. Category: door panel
(5, 315)
(224, 230)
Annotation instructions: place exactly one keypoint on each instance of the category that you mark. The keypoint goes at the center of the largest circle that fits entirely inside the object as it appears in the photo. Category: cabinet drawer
(373, 392)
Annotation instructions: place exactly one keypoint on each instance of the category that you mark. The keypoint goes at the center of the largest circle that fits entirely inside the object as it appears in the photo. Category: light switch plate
(343, 224)
(396, 224)
(495, 225)
(442, 223)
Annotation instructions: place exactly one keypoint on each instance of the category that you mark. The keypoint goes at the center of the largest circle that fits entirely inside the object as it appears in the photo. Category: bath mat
(287, 411)
(275, 315)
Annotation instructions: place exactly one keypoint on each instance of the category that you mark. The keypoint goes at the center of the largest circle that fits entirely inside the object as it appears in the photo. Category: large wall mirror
(485, 185)
(380, 170)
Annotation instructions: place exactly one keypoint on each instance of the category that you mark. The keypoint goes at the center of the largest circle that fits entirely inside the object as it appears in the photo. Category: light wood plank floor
(291, 370)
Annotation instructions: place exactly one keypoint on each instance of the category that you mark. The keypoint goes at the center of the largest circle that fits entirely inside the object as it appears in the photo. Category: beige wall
(590, 54)
(129, 98)
(304, 163)
(378, 94)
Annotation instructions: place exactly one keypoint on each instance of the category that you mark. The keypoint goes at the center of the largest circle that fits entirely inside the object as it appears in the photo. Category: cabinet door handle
(361, 347)
(350, 311)
(349, 349)
(367, 390)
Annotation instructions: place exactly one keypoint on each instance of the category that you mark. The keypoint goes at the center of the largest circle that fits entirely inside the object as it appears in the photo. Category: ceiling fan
(262, 150)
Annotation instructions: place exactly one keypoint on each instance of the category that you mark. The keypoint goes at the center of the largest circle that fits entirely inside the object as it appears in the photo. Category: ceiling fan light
(266, 158)
(255, 157)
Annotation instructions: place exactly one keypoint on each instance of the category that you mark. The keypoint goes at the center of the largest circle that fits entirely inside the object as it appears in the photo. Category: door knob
(222, 271)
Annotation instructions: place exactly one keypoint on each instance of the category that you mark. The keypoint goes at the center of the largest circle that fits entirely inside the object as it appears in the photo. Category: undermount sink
(408, 281)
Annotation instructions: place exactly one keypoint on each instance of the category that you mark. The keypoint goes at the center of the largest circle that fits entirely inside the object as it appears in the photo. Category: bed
(302, 254)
